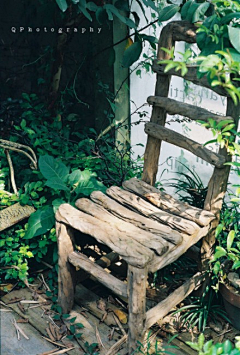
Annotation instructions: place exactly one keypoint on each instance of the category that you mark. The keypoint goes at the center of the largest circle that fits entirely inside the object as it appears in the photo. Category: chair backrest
(172, 32)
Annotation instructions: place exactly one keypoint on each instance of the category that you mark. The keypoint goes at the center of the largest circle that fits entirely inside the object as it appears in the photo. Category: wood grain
(81, 261)
(137, 219)
(149, 240)
(136, 203)
(181, 141)
(129, 249)
(168, 203)
(174, 107)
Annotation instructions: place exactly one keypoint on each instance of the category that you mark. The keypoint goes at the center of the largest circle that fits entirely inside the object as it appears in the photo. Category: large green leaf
(168, 12)
(75, 177)
(234, 36)
(200, 12)
(209, 63)
(53, 169)
(57, 184)
(132, 54)
(226, 19)
(62, 5)
(88, 183)
(40, 222)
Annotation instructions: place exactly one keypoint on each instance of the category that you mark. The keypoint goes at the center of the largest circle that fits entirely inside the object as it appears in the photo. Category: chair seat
(142, 224)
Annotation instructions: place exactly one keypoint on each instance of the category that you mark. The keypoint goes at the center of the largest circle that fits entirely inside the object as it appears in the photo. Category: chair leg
(137, 280)
(66, 272)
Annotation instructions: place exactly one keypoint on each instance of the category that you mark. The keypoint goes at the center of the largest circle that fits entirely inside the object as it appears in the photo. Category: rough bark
(137, 282)
(81, 261)
(179, 140)
(66, 272)
(163, 308)
(191, 75)
(174, 107)
(14, 214)
(136, 219)
(145, 208)
(168, 203)
(149, 240)
(129, 249)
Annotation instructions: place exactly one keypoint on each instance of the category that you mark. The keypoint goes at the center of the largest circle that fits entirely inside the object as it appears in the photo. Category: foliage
(201, 310)
(71, 165)
(189, 187)
(218, 39)
(208, 348)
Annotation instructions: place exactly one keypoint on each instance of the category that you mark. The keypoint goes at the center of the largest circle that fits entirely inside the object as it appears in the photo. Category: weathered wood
(153, 146)
(66, 272)
(105, 261)
(179, 140)
(136, 203)
(140, 221)
(137, 282)
(164, 307)
(191, 75)
(174, 107)
(108, 280)
(184, 31)
(14, 214)
(87, 299)
(168, 203)
(129, 249)
(216, 191)
(172, 255)
(149, 240)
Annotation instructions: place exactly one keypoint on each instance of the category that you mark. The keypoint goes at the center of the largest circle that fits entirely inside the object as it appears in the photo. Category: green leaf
(230, 239)
(211, 61)
(91, 6)
(88, 183)
(101, 15)
(236, 265)
(111, 9)
(132, 54)
(168, 12)
(227, 347)
(234, 36)
(200, 12)
(57, 203)
(62, 5)
(82, 7)
(57, 184)
(185, 8)
(201, 341)
(150, 3)
(226, 19)
(40, 222)
(218, 230)
(220, 251)
(52, 169)
(74, 177)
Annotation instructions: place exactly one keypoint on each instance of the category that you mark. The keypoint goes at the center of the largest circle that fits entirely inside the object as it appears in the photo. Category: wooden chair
(146, 227)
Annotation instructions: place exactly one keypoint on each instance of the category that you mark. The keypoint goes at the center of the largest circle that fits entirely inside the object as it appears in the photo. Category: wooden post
(66, 272)
(216, 190)
(137, 279)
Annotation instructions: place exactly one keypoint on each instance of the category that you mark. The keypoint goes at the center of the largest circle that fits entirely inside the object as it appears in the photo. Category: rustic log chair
(146, 227)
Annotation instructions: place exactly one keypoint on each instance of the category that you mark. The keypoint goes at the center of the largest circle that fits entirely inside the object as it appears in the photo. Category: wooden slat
(188, 240)
(14, 214)
(167, 202)
(130, 250)
(136, 203)
(174, 107)
(149, 240)
(81, 261)
(163, 308)
(138, 220)
(191, 75)
(179, 140)
(87, 299)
